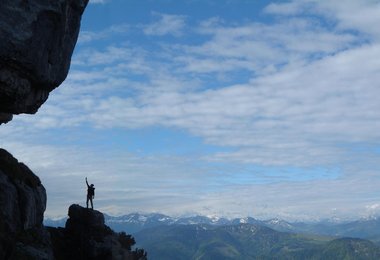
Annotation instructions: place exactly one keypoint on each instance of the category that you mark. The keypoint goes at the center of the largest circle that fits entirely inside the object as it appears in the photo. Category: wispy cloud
(175, 185)
(263, 48)
(296, 102)
(296, 92)
(348, 15)
(166, 24)
(290, 8)
(297, 113)
(90, 36)
(99, 1)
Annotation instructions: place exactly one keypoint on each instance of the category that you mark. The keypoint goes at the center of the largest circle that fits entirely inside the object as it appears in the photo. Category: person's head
(92, 185)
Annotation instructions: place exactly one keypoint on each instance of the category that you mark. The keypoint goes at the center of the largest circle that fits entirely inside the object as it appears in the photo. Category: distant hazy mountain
(132, 223)
(247, 241)
(55, 222)
(135, 222)
(365, 228)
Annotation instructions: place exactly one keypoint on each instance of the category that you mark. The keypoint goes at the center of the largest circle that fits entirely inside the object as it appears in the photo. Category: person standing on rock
(90, 194)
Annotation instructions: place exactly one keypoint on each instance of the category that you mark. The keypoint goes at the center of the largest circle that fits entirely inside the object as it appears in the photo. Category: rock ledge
(85, 236)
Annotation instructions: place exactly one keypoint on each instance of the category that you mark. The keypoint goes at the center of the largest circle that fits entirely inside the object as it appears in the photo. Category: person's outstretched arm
(87, 183)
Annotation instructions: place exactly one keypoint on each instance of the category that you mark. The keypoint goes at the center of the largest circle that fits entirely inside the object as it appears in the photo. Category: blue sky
(229, 108)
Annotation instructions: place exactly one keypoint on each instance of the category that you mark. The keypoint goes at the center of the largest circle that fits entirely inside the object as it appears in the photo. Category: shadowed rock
(80, 218)
(37, 41)
(22, 204)
(22, 196)
(85, 236)
(5, 117)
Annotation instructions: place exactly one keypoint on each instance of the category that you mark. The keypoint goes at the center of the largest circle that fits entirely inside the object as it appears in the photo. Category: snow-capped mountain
(136, 222)
(280, 225)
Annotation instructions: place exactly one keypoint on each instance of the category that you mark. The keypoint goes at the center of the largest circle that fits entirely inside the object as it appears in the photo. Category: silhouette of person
(90, 194)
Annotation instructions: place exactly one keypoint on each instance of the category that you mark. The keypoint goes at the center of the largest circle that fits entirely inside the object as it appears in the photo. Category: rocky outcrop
(23, 236)
(37, 41)
(22, 204)
(85, 236)
(22, 197)
(81, 218)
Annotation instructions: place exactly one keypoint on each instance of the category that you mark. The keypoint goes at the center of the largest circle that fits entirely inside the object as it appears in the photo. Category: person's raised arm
(87, 183)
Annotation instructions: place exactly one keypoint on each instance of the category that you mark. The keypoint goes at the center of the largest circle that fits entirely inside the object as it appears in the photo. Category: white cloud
(99, 1)
(295, 114)
(127, 182)
(293, 93)
(359, 15)
(90, 36)
(347, 14)
(167, 24)
(327, 102)
(289, 8)
(262, 48)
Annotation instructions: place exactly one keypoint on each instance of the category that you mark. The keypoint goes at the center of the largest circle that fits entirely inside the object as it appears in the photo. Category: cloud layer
(296, 95)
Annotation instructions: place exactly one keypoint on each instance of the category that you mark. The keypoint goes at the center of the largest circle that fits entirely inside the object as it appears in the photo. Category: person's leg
(87, 201)
(92, 205)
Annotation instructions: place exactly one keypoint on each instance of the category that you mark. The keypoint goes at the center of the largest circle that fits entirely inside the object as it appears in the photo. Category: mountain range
(135, 222)
(247, 241)
(201, 237)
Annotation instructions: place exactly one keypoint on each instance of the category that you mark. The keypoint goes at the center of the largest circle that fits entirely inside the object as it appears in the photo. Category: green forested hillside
(247, 241)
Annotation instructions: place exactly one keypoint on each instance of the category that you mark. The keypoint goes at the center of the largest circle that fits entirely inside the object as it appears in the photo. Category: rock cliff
(22, 203)
(87, 237)
(37, 41)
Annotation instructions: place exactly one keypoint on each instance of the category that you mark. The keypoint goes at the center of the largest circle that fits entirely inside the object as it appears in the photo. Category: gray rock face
(37, 41)
(22, 196)
(22, 204)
